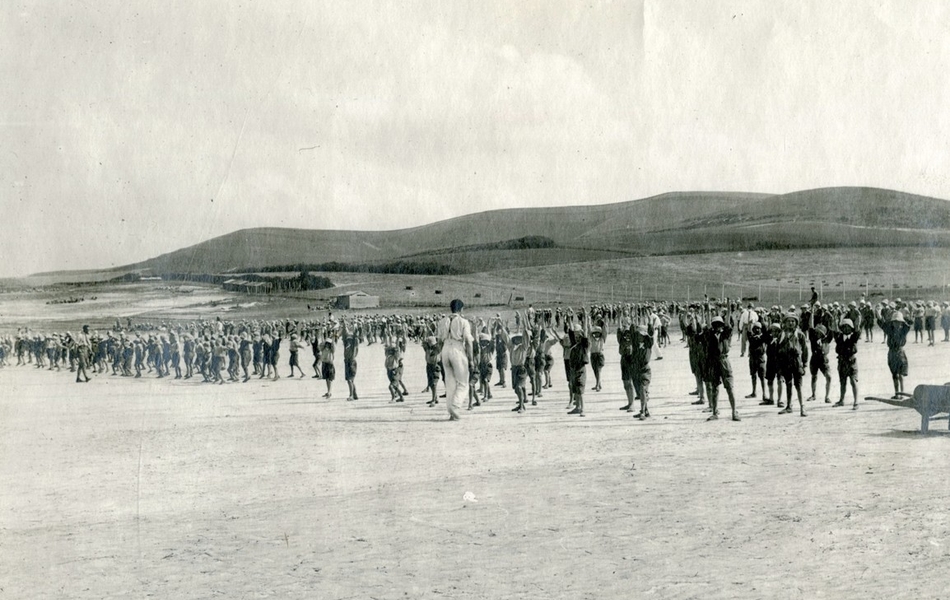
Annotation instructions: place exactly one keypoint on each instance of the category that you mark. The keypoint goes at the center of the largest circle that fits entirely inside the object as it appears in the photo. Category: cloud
(802, 95)
(136, 129)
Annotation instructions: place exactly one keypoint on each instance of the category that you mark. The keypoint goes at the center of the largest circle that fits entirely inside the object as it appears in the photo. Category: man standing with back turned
(455, 333)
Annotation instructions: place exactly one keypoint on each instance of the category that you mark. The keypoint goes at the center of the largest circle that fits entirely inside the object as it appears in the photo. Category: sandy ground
(171, 489)
(106, 303)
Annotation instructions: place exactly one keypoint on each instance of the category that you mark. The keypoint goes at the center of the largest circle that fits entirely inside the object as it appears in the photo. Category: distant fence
(759, 295)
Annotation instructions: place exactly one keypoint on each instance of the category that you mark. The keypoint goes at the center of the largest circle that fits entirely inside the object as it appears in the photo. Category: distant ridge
(672, 223)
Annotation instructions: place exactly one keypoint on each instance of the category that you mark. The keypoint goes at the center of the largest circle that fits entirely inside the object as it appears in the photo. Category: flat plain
(179, 489)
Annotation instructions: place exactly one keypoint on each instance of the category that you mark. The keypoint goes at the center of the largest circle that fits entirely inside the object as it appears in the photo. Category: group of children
(780, 344)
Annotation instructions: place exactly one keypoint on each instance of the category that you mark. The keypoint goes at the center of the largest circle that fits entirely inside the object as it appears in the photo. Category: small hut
(246, 287)
(357, 300)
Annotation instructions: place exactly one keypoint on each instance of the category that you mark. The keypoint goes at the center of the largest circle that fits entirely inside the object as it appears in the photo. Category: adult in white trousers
(656, 325)
(455, 332)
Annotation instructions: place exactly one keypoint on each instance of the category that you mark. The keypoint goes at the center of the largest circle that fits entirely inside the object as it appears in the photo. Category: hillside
(673, 223)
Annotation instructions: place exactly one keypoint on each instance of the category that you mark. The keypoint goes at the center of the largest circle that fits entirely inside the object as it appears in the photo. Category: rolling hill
(673, 223)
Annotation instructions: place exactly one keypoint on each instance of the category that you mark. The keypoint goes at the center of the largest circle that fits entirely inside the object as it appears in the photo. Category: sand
(177, 489)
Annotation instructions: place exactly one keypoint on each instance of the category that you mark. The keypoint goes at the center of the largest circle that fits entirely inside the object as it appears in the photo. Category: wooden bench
(928, 400)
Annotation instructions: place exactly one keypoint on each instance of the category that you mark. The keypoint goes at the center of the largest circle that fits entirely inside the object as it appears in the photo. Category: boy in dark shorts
(294, 348)
(246, 352)
(529, 363)
(275, 353)
(175, 351)
(202, 357)
(516, 345)
(867, 320)
(351, 348)
(693, 332)
(401, 343)
(328, 370)
(596, 354)
(219, 357)
(433, 350)
(473, 398)
(550, 339)
(486, 355)
(640, 367)
(931, 312)
(625, 342)
(918, 312)
(538, 337)
(188, 350)
(393, 360)
(820, 339)
(315, 348)
(718, 369)
(792, 354)
(501, 355)
(757, 342)
(565, 342)
(846, 347)
(895, 335)
(578, 357)
(771, 365)
(257, 349)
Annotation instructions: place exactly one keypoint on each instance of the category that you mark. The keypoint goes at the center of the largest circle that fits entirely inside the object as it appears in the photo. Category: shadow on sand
(916, 433)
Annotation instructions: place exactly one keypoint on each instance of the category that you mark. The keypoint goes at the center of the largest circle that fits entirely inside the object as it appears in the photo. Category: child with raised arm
(351, 348)
(578, 356)
(820, 339)
(792, 354)
(516, 344)
(716, 342)
(433, 351)
(846, 347)
(327, 353)
(597, 353)
(486, 357)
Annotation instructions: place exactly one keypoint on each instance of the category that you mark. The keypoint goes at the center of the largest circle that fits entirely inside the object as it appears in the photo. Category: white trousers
(455, 364)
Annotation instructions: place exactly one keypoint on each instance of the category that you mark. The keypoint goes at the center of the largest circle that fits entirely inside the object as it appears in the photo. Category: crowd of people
(464, 354)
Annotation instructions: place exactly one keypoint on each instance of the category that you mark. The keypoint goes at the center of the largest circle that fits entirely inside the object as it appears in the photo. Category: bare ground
(172, 489)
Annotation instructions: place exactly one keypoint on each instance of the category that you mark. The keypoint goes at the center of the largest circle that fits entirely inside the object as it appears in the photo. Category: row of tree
(305, 281)
(399, 267)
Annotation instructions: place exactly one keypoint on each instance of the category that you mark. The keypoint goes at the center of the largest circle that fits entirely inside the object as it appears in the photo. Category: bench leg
(924, 413)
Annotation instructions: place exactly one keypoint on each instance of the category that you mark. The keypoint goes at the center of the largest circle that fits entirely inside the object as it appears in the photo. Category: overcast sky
(130, 129)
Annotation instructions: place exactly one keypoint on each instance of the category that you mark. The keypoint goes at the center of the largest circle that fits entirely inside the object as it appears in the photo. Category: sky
(132, 129)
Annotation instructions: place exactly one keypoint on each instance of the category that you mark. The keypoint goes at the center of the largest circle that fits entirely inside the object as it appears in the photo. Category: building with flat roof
(357, 300)
(247, 287)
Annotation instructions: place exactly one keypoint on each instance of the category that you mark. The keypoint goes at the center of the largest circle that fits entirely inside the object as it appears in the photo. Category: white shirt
(748, 317)
(454, 328)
